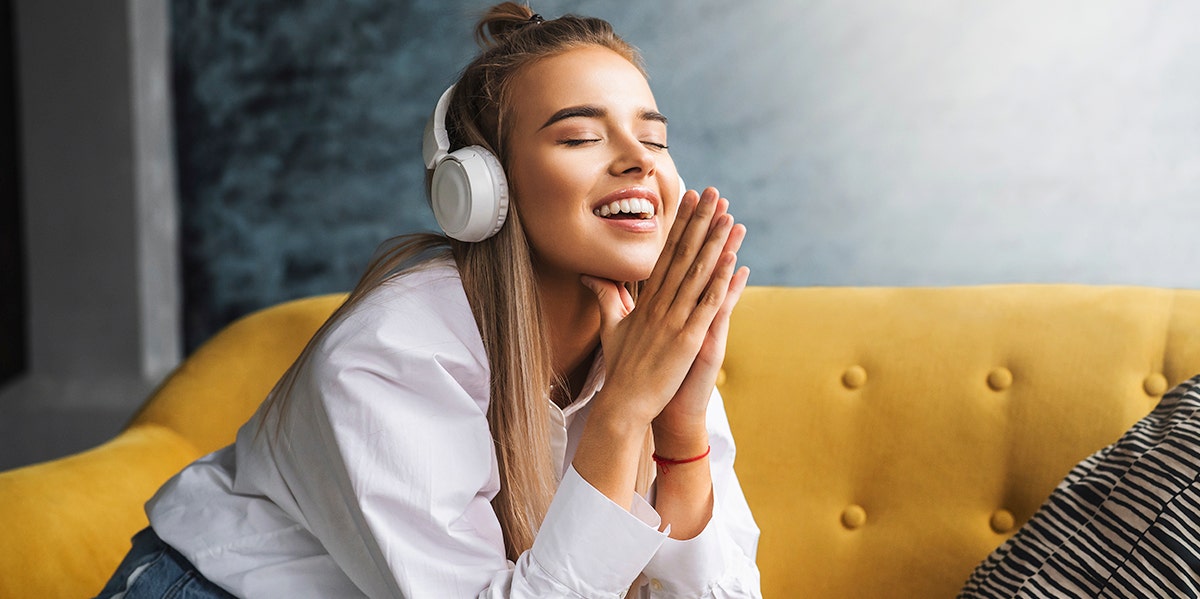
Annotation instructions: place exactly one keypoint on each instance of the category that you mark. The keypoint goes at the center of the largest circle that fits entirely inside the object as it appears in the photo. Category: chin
(625, 272)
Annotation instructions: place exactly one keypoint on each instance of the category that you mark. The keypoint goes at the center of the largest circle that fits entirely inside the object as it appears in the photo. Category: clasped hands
(663, 353)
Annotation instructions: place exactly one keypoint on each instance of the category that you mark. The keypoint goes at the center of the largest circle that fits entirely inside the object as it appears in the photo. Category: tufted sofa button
(721, 377)
(999, 379)
(854, 377)
(1155, 385)
(854, 516)
(1002, 521)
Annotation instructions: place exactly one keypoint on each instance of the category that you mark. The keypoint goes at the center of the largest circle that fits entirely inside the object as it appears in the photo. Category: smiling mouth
(630, 208)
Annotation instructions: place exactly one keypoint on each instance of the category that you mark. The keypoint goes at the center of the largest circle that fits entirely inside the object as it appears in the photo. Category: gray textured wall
(932, 142)
(943, 142)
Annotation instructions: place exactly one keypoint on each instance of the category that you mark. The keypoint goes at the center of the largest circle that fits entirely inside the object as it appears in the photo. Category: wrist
(682, 419)
(665, 463)
(680, 443)
(616, 418)
(609, 453)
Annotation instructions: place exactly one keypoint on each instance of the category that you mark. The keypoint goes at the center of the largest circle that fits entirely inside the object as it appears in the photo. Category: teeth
(628, 206)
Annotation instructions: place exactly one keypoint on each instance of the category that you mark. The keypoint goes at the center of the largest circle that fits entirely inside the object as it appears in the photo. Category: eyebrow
(594, 112)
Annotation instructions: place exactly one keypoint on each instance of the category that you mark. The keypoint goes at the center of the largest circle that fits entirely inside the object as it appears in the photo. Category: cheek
(668, 219)
(543, 189)
(531, 198)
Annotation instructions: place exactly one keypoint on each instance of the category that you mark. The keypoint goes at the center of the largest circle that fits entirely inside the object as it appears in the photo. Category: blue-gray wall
(933, 142)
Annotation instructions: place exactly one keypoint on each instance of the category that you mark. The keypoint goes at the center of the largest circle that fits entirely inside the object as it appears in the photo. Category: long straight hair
(497, 273)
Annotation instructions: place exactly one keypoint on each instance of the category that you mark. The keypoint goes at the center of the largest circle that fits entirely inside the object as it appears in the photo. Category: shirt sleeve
(385, 449)
(719, 562)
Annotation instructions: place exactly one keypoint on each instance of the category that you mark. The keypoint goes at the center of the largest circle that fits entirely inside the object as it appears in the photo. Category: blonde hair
(498, 273)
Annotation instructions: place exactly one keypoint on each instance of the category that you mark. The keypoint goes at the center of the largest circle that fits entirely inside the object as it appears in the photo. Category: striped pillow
(1124, 523)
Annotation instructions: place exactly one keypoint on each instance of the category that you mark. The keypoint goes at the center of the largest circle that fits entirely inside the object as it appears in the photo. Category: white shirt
(376, 476)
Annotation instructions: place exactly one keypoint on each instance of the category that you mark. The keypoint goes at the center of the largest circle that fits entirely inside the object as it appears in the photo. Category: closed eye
(576, 142)
(655, 144)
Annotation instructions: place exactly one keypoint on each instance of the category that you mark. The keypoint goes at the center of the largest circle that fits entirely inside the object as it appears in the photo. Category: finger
(736, 286)
(713, 296)
(719, 328)
(626, 299)
(700, 273)
(608, 297)
(734, 243)
(736, 236)
(713, 351)
(722, 208)
(683, 257)
(720, 325)
(738, 283)
(687, 206)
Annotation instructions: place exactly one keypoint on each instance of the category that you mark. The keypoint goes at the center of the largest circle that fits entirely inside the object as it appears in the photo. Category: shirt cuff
(592, 546)
(689, 568)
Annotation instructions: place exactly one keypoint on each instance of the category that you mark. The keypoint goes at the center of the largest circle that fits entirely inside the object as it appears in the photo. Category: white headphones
(469, 191)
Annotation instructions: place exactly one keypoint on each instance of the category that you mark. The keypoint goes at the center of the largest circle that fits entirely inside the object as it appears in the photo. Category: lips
(628, 203)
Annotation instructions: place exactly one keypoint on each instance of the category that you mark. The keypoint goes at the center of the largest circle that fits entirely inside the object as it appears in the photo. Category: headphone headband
(436, 142)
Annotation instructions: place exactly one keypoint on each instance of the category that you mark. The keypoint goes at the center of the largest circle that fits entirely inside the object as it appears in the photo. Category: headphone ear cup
(469, 193)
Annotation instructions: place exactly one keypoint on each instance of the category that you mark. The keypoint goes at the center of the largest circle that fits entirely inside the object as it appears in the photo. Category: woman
(483, 417)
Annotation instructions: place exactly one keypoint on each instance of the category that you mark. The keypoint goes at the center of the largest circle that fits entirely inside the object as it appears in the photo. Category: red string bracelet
(665, 463)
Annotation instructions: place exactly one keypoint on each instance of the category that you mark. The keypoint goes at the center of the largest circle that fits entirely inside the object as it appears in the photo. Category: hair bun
(500, 22)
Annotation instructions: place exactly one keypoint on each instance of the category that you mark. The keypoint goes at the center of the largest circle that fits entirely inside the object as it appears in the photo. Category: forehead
(590, 75)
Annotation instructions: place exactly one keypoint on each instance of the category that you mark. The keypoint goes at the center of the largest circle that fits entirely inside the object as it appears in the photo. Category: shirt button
(621, 595)
(655, 584)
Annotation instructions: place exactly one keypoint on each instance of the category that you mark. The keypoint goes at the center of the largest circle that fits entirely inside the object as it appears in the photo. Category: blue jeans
(154, 570)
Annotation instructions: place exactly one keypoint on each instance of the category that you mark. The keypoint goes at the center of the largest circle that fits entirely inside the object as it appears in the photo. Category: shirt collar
(591, 385)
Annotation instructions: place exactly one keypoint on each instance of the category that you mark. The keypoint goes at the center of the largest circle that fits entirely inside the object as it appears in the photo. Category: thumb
(608, 296)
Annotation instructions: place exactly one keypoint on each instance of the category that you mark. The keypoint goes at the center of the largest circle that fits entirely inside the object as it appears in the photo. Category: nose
(632, 157)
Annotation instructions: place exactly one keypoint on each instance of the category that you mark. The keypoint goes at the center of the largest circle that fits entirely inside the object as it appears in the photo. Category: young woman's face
(586, 137)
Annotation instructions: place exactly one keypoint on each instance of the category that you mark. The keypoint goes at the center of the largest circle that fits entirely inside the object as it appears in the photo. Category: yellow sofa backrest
(888, 439)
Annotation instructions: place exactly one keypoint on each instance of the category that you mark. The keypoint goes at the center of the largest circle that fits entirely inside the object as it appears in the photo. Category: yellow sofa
(889, 438)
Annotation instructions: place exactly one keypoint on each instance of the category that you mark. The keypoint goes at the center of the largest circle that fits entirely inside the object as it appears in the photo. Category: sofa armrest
(68, 522)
